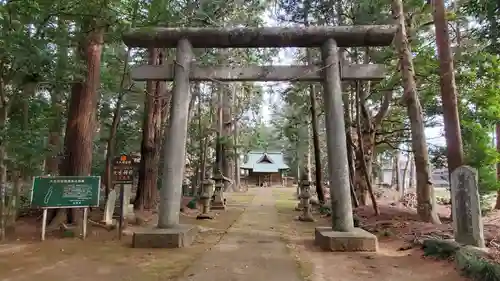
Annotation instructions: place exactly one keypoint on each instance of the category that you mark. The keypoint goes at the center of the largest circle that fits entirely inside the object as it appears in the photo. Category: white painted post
(85, 221)
(44, 223)
(122, 211)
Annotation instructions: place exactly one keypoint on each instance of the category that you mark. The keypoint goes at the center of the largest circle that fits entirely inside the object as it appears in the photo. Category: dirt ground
(257, 238)
(404, 222)
(390, 263)
(103, 257)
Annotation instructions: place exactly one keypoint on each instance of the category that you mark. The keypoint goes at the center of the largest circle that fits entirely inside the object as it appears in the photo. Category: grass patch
(306, 268)
(285, 201)
(476, 267)
(290, 229)
(286, 206)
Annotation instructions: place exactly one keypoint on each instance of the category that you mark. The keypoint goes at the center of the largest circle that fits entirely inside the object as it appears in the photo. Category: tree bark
(3, 167)
(226, 146)
(79, 135)
(190, 168)
(200, 169)
(452, 132)
(412, 173)
(405, 176)
(426, 205)
(55, 134)
(236, 150)
(315, 136)
(350, 149)
(220, 126)
(111, 142)
(151, 138)
(364, 159)
(397, 171)
(206, 138)
(497, 127)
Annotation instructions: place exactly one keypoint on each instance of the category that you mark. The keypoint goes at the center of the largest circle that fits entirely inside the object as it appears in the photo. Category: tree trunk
(237, 169)
(364, 149)
(363, 160)
(220, 126)
(315, 136)
(13, 204)
(405, 176)
(308, 154)
(412, 173)
(165, 114)
(364, 154)
(452, 132)
(56, 98)
(189, 172)
(397, 171)
(350, 148)
(151, 135)
(3, 167)
(200, 169)
(426, 205)
(80, 129)
(111, 143)
(206, 139)
(497, 204)
(226, 146)
(236, 155)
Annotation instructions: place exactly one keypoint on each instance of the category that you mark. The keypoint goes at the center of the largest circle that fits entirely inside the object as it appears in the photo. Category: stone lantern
(206, 189)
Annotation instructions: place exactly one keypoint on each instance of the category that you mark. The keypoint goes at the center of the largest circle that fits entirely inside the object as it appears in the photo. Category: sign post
(123, 173)
(65, 192)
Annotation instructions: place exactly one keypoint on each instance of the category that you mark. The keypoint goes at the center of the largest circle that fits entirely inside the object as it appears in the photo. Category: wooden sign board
(65, 192)
(123, 169)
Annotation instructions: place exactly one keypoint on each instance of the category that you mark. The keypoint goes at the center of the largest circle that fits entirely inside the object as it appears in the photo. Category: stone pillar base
(177, 237)
(357, 240)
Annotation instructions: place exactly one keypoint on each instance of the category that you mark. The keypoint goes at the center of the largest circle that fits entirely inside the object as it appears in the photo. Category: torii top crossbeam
(262, 37)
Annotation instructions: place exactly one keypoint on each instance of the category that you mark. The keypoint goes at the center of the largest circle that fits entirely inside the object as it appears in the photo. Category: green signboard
(65, 192)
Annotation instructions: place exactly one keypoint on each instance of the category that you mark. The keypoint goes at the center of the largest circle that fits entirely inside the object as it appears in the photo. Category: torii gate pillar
(169, 233)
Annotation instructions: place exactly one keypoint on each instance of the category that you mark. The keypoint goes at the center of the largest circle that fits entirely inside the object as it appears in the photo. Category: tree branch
(391, 132)
(384, 109)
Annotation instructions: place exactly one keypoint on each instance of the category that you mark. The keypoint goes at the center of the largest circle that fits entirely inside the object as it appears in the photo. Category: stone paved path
(252, 250)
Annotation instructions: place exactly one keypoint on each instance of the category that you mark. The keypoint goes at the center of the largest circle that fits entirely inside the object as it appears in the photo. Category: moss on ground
(471, 261)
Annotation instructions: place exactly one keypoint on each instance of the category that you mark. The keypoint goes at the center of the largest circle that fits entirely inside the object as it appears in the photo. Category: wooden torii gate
(342, 236)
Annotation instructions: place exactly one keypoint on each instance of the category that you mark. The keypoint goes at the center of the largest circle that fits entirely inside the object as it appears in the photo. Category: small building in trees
(264, 168)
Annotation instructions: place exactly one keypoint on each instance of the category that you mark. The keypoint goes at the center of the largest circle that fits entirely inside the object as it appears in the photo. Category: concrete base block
(177, 237)
(357, 240)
